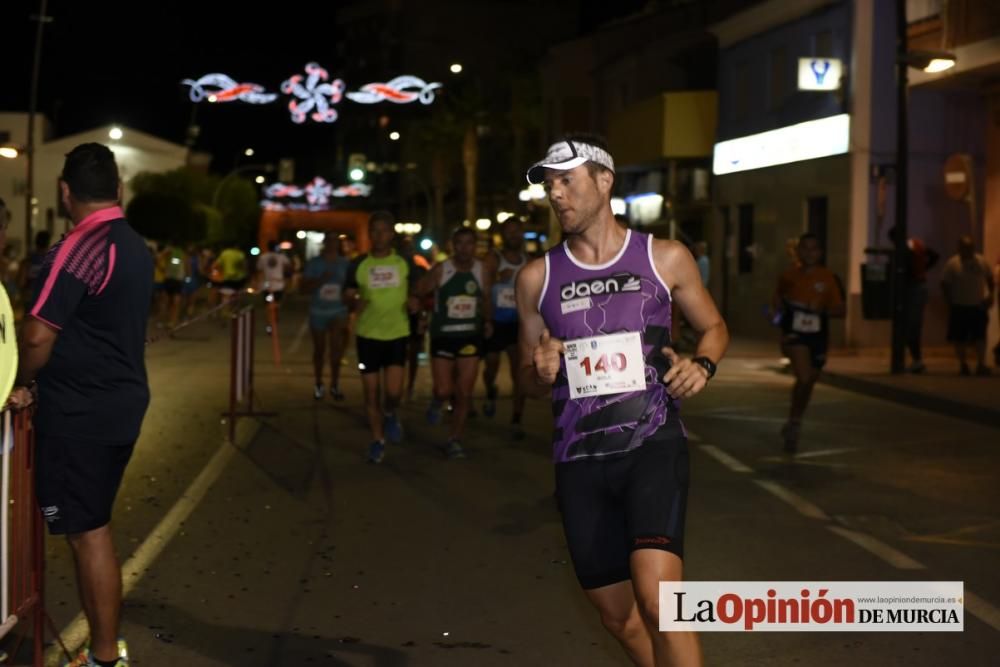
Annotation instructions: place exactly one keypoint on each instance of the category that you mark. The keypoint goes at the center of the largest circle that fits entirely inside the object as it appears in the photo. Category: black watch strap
(707, 364)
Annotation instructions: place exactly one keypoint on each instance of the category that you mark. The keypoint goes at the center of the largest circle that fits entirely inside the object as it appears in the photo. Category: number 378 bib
(602, 365)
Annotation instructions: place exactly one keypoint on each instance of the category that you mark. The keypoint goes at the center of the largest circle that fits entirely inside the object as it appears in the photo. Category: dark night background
(122, 62)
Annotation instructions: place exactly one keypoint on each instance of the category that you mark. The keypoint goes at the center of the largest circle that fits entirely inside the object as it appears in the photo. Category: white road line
(891, 556)
(76, 632)
(801, 505)
(982, 610)
(825, 452)
(725, 459)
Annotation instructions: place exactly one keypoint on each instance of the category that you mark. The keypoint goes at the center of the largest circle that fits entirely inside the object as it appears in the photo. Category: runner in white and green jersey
(378, 288)
(461, 319)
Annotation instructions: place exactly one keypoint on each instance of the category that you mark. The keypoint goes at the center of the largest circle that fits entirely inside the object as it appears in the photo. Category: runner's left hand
(685, 378)
(488, 330)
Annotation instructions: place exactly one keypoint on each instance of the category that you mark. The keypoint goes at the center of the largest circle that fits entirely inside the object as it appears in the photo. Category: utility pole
(899, 256)
(29, 195)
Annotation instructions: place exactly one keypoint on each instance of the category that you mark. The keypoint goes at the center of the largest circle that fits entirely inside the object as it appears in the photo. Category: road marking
(982, 610)
(891, 556)
(825, 452)
(725, 459)
(75, 634)
(693, 437)
(801, 505)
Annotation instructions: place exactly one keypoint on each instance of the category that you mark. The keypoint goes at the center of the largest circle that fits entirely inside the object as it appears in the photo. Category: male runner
(595, 317)
(377, 287)
(503, 267)
(461, 317)
(324, 277)
(807, 296)
(273, 268)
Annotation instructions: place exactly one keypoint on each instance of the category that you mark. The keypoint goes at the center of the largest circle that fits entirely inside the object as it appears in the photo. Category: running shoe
(453, 450)
(393, 429)
(917, 367)
(86, 659)
(983, 371)
(318, 392)
(336, 394)
(376, 452)
(489, 408)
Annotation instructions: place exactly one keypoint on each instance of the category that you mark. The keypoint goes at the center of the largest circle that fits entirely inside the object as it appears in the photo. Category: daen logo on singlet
(576, 295)
(620, 282)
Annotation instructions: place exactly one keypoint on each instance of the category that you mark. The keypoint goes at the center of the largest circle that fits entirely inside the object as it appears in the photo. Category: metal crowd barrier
(22, 545)
(241, 394)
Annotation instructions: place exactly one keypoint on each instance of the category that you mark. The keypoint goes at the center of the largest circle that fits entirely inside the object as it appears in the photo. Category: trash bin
(876, 284)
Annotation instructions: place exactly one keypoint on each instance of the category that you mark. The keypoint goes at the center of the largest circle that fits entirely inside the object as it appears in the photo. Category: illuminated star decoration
(396, 91)
(313, 96)
(317, 194)
(221, 88)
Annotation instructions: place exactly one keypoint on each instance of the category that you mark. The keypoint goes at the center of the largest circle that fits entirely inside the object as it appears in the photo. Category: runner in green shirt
(462, 316)
(378, 289)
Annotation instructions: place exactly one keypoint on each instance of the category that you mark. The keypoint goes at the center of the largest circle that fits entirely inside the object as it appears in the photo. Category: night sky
(122, 62)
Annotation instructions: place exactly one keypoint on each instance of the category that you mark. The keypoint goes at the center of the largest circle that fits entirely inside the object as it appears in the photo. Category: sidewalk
(939, 389)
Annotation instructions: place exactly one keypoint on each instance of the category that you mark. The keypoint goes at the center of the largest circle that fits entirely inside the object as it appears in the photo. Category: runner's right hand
(547, 357)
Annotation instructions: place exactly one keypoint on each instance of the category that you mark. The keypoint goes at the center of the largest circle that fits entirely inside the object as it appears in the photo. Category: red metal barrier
(22, 562)
(241, 394)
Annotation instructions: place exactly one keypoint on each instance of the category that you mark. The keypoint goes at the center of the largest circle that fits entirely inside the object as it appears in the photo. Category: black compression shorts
(611, 507)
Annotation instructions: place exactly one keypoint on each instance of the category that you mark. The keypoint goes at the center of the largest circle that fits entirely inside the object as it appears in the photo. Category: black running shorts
(77, 481)
(611, 507)
(374, 355)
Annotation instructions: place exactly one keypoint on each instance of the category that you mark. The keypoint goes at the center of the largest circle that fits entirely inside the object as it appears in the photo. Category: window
(779, 76)
(747, 248)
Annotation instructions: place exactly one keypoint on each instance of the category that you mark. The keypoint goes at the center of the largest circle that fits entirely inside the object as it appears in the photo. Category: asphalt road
(289, 549)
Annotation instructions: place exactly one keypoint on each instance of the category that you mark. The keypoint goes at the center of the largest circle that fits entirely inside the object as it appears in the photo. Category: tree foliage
(189, 206)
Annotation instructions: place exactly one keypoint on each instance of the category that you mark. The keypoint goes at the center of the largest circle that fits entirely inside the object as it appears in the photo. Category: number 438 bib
(602, 365)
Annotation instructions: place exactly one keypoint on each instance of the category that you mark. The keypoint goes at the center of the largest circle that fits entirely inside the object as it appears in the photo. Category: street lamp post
(899, 255)
(29, 195)
(929, 61)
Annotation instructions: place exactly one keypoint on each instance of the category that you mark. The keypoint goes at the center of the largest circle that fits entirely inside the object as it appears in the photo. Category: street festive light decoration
(314, 196)
(401, 90)
(313, 94)
(222, 88)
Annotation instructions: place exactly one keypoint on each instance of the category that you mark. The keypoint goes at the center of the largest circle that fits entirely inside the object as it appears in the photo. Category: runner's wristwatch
(707, 364)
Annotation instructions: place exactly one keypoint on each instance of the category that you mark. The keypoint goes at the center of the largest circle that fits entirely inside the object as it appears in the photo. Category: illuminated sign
(804, 141)
(819, 73)
(313, 94)
(314, 196)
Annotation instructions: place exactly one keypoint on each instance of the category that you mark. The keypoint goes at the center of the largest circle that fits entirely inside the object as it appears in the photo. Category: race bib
(383, 276)
(461, 307)
(329, 292)
(605, 365)
(505, 298)
(806, 322)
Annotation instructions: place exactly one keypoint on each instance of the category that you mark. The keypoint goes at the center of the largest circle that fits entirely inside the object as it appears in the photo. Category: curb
(914, 399)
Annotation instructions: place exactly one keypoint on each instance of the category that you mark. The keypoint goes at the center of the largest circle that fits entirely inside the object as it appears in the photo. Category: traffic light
(356, 167)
